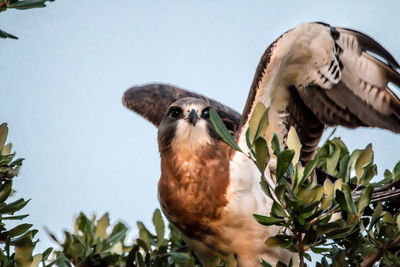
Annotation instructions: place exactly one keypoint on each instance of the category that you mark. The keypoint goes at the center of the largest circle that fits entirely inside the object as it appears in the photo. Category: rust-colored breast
(192, 188)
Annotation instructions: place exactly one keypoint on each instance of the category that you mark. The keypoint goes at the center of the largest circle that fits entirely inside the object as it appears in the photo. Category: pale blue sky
(61, 85)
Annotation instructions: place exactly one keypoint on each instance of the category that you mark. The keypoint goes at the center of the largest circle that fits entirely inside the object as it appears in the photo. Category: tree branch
(370, 260)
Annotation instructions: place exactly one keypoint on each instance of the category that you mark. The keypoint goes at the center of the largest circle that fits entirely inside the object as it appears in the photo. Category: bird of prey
(312, 76)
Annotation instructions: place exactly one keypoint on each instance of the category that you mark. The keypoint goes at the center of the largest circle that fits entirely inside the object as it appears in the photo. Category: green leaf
(258, 115)
(262, 154)
(14, 206)
(222, 131)
(180, 256)
(16, 231)
(4, 35)
(5, 191)
(349, 198)
(365, 157)
(309, 169)
(332, 162)
(267, 220)
(277, 210)
(46, 254)
(280, 191)
(102, 225)
(19, 217)
(345, 201)
(3, 131)
(28, 4)
(293, 143)
(6, 150)
(319, 250)
(328, 194)
(265, 263)
(378, 213)
(283, 241)
(276, 147)
(118, 234)
(365, 199)
(283, 162)
(159, 225)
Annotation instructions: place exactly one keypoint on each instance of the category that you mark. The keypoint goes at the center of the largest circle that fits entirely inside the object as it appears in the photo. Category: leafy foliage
(20, 5)
(20, 237)
(95, 243)
(347, 218)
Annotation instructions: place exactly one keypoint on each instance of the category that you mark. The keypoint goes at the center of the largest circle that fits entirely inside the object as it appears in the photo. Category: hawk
(311, 77)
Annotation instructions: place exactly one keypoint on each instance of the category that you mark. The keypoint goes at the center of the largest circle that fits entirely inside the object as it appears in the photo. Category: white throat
(189, 137)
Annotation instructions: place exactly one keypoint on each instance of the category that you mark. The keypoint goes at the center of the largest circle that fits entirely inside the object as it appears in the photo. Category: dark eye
(205, 114)
(175, 112)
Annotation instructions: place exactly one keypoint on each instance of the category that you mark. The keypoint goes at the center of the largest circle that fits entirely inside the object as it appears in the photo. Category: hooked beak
(193, 117)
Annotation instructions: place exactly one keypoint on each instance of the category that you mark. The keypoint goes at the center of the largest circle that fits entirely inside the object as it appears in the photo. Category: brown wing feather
(358, 96)
(152, 100)
(362, 97)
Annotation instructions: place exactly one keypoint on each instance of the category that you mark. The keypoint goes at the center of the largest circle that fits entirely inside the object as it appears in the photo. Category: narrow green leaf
(309, 169)
(222, 130)
(17, 217)
(3, 134)
(16, 231)
(267, 220)
(159, 225)
(365, 199)
(14, 206)
(349, 198)
(265, 263)
(262, 155)
(180, 256)
(102, 225)
(4, 35)
(378, 213)
(276, 147)
(319, 250)
(5, 191)
(21, 5)
(116, 237)
(284, 160)
(254, 122)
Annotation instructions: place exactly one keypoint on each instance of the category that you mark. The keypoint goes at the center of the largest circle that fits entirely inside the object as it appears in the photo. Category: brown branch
(371, 259)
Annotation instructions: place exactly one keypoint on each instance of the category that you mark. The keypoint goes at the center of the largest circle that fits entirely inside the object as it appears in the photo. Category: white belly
(238, 231)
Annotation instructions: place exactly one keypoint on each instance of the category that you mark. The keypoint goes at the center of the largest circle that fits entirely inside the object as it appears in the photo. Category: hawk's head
(186, 125)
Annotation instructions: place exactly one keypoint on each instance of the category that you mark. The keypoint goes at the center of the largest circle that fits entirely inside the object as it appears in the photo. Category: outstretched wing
(315, 76)
(152, 100)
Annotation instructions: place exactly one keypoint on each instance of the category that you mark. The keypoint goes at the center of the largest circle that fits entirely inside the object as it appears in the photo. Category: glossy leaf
(283, 162)
(222, 130)
(275, 144)
(267, 220)
(261, 153)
